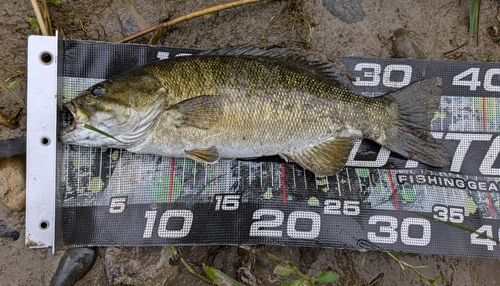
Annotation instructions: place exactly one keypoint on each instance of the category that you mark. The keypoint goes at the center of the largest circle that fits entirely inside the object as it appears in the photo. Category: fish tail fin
(409, 136)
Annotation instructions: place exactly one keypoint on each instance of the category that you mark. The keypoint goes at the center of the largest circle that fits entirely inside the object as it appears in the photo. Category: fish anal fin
(326, 158)
(201, 111)
(208, 155)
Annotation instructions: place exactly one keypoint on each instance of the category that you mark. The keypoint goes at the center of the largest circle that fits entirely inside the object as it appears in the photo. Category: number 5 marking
(117, 205)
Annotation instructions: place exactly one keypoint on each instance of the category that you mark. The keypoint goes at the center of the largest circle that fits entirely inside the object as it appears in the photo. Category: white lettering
(381, 160)
(465, 140)
(486, 167)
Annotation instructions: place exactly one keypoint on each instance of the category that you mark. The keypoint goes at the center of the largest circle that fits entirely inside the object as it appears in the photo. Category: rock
(8, 232)
(138, 265)
(128, 26)
(13, 182)
(308, 255)
(349, 11)
(404, 45)
(74, 264)
(261, 260)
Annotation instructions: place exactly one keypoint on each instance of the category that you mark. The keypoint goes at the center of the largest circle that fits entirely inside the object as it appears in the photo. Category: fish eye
(97, 91)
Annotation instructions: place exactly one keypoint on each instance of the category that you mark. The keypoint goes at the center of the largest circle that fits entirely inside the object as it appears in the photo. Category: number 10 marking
(163, 232)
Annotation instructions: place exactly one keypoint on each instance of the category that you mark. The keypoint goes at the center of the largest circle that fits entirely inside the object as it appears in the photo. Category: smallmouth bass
(247, 103)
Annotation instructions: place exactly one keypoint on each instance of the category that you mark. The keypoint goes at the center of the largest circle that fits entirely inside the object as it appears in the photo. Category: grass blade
(99, 131)
(474, 16)
(15, 96)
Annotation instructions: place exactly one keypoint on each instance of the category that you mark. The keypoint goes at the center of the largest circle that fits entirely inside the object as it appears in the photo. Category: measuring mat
(380, 201)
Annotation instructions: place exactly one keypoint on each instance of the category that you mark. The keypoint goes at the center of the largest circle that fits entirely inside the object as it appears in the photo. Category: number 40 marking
(484, 236)
(474, 81)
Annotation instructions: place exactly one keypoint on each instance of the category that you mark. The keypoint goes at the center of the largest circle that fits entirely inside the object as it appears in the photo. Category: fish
(247, 102)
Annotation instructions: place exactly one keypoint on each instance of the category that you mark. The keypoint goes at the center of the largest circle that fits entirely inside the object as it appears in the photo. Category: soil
(438, 29)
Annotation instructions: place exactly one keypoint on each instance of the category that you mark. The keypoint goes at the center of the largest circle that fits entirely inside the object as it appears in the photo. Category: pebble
(308, 255)
(404, 45)
(8, 232)
(349, 11)
(74, 264)
(13, 182)
(138, 265)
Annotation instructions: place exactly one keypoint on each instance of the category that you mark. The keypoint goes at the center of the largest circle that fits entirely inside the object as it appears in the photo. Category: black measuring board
(380, 201)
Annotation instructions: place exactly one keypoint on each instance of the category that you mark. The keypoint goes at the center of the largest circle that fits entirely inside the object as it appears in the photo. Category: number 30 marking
(372, 71)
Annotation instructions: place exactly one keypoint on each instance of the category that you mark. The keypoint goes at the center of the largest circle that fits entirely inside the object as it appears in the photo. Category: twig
(189, 16)
(42, 270)
(39, 18)
(459, 47)
(46, 17)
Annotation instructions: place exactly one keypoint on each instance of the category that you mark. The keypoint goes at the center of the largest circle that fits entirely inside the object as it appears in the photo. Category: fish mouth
(77, 122)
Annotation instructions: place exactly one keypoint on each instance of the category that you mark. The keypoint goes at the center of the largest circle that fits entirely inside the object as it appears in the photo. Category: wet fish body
(247, 103)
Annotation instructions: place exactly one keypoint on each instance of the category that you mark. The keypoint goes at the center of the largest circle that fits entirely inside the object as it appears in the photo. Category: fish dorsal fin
(201, 112)
(321, 70)
(255, 52)
(208, 155)
(326, 158)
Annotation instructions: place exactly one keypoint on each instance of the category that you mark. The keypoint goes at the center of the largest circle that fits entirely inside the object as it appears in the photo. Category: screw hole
(46, 57)
(45, 141)
(44, 225)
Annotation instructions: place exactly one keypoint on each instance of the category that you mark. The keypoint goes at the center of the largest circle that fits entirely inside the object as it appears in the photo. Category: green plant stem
(14, 95)
(6, 120)
(414, 268)
(290, 264)
(176, 253)
(100, 131)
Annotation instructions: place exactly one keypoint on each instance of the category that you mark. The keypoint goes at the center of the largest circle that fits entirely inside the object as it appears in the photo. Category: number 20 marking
(279, 216)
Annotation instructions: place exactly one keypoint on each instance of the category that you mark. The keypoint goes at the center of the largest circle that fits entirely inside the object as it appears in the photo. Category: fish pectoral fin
(326, 158)
(209, 155)
(201, 112)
